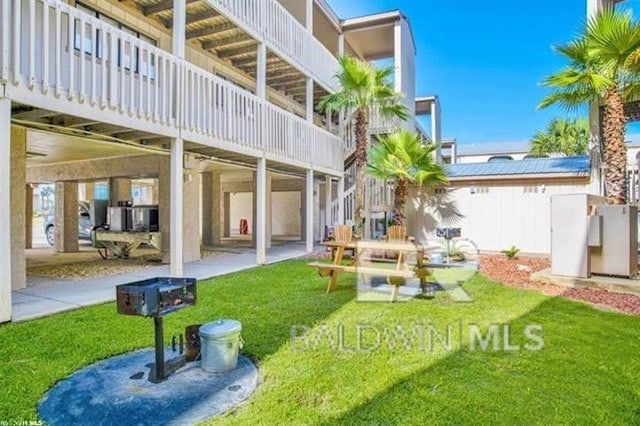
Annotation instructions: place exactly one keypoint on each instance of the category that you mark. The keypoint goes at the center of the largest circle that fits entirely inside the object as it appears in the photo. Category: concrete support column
(309, 211)
(18, 202)
(176, 209)
(191, 216)
(6, 262)
(340, 196)
(309, 97)
(397, 56)
(260, 208)
(226, 214)
(179, 24)
(164, 207)
(212, 206)
(436, 128)
(268, 211)
(90, 190)
(309, 15)
(261, 71)
(119, 190)
(303, 213)
(66, 217)
(328, 198)
(341, 44)
(28, 212)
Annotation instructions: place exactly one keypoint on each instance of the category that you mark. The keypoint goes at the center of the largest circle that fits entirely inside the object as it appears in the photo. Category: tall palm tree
(405, 158)
(363, 86)
(604, 67)
(568, 137)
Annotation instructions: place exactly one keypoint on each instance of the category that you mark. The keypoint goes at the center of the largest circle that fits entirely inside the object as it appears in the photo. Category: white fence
(59, 58)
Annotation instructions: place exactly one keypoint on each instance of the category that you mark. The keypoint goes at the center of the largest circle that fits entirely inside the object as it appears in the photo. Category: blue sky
(485, 59)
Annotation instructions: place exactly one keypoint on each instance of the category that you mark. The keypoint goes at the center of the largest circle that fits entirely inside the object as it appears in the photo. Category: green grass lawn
(587, 372)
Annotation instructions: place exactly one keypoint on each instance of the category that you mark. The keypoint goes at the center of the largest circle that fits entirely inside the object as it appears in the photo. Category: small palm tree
(405, 158)
(568, 137)
(604, 67)
(363, 86)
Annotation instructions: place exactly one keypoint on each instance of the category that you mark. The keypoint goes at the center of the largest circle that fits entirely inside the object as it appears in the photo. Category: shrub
(511, 253)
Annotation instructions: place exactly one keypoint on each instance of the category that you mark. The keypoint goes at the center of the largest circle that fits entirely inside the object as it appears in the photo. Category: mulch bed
(517, 273)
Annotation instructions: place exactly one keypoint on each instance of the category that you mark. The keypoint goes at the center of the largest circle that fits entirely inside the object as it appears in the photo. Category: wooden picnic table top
(374, 244)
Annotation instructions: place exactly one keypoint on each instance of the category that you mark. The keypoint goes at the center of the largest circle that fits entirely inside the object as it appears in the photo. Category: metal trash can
(220, 342)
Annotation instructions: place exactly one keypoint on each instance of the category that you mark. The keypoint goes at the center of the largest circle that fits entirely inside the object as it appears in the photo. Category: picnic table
(396, 275)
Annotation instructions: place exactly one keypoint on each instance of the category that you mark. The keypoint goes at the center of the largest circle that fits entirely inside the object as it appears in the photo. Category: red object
(244, 227)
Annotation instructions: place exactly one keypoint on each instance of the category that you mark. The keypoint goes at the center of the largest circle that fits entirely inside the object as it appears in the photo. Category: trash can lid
(220, 328)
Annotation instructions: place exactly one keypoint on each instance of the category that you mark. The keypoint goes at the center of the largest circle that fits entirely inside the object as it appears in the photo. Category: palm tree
(604, 65)
(363, 86)
(405, 158)
(568, 137)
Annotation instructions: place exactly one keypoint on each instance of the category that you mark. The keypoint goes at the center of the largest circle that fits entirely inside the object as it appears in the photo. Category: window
(500, 158)
(128, 55)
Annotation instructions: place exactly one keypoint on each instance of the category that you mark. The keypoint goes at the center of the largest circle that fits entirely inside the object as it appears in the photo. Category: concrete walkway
(46, 296)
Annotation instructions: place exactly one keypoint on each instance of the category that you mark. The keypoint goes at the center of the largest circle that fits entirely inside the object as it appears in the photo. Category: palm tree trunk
(615, 150)
(361, 162)
(400, 196)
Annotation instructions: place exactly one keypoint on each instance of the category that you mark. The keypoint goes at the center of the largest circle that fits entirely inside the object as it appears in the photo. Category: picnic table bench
(396, 276)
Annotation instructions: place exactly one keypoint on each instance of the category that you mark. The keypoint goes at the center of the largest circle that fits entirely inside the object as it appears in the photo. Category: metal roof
(579, 165)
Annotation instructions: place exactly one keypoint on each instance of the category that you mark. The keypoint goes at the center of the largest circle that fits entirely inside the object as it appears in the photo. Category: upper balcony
(67, 71)
(232, 28)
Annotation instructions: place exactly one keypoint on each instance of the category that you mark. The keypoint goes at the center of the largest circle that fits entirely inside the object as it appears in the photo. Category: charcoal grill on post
(448, 234)
(156, 298)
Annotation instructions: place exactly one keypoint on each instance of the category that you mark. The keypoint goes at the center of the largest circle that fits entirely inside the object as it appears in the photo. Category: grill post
(159, 334)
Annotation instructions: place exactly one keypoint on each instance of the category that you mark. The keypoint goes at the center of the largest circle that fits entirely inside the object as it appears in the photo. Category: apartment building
(211, 98)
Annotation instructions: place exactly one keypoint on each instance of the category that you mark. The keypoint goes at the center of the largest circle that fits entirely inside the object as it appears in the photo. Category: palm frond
(363, 86)
(405, 155)
(569, 100)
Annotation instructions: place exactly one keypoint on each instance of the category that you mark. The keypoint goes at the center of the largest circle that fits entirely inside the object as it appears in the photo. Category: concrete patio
(45, 296)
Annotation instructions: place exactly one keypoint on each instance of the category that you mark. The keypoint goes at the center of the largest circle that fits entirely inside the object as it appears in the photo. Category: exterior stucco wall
(286, 213)
(241, 207)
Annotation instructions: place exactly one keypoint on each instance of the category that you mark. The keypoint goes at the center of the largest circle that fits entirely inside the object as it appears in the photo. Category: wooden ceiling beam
(225, 42)
(224, 54)
(192, 18)
(161, 6)
(211, 30)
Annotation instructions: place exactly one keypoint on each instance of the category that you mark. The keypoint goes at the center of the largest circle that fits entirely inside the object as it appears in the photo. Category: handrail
(82, 62)
(270, 20)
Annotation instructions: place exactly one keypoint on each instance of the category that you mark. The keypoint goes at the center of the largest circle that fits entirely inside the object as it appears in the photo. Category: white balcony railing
(56, 57)
(55, 50)
(283, 34)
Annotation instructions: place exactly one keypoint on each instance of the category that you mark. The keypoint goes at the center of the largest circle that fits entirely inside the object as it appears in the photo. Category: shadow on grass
(267, 300)
(585, 373)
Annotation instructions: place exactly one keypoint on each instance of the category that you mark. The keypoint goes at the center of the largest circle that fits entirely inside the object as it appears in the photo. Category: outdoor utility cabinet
(572, 228)
(618, 253)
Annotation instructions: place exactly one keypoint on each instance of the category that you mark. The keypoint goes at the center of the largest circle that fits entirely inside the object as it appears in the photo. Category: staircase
(378, 194)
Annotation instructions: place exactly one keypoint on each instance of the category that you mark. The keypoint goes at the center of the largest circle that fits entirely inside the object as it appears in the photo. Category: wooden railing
(269, 20)
(60, 58)
(57, 51)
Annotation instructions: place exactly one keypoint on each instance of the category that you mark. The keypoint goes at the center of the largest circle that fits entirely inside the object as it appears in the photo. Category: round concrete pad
(116, 391)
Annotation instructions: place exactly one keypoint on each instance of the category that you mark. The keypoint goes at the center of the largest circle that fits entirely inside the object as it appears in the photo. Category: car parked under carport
(84, 223)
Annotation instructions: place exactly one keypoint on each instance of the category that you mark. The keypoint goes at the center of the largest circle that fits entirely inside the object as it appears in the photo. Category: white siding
(498, 215)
